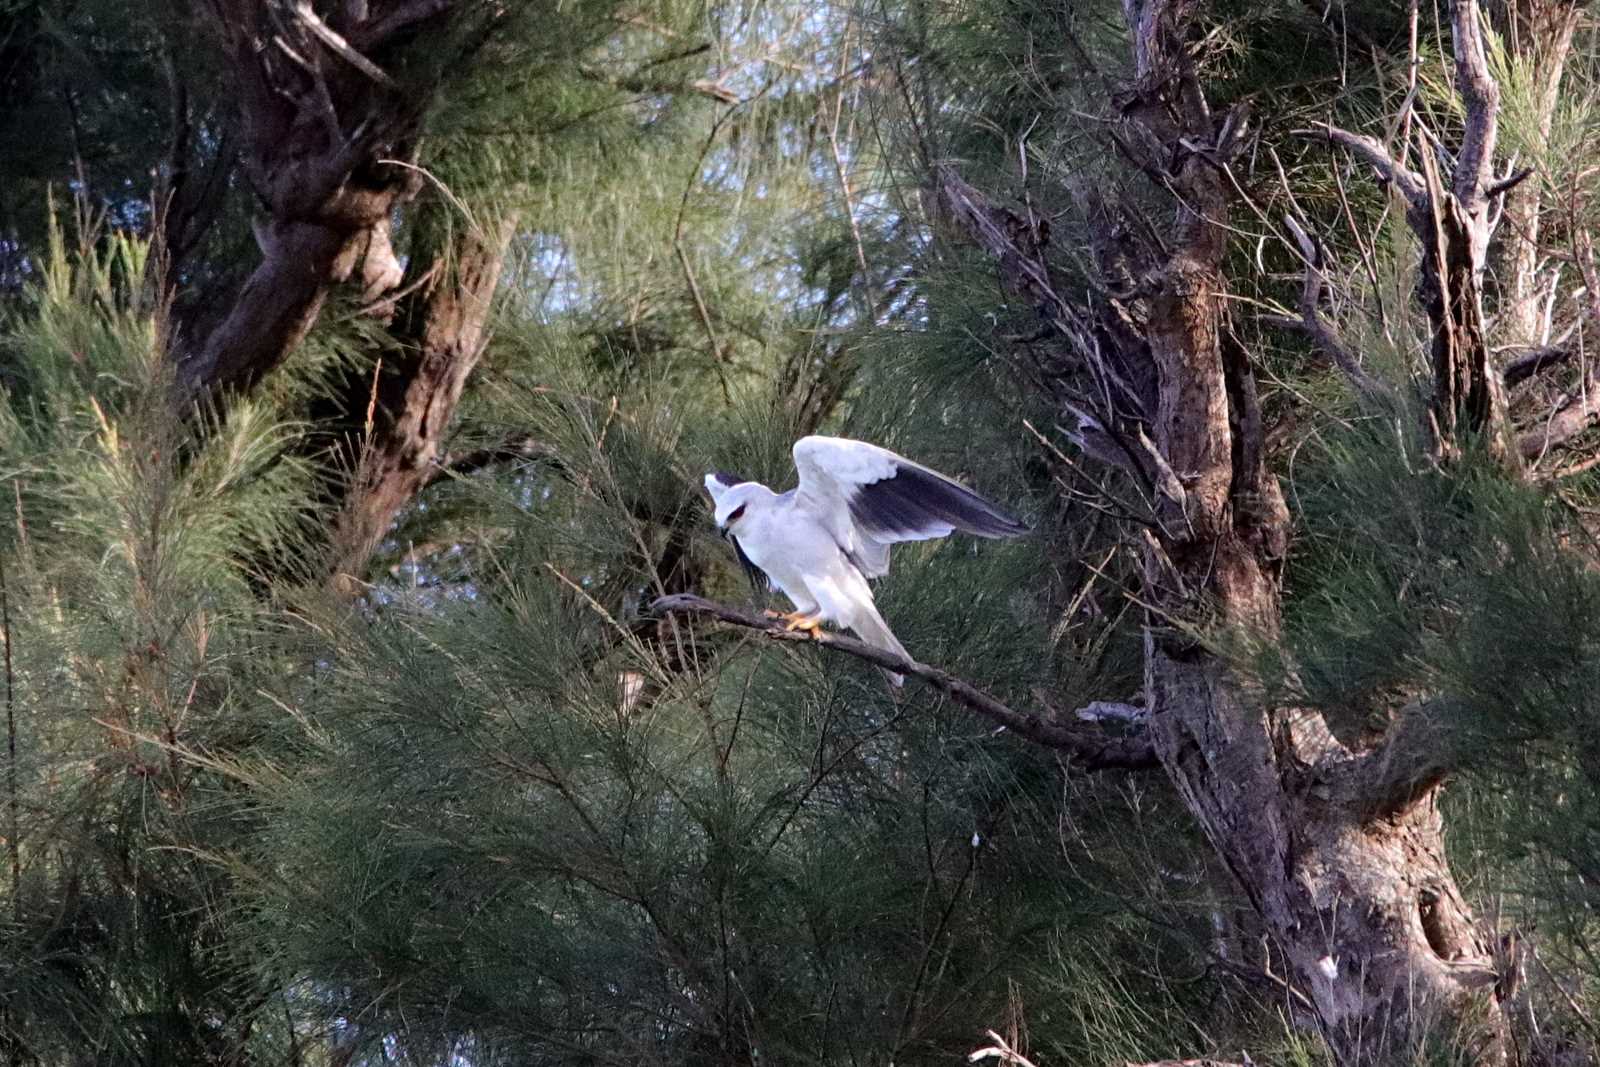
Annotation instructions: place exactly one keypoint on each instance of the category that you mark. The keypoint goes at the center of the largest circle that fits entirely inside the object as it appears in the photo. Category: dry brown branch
(340, 47)
(1090, 748)
(1452, 221)
(1480, 95)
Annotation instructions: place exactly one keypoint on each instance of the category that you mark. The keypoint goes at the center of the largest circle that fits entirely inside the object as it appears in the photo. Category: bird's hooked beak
(722, 527)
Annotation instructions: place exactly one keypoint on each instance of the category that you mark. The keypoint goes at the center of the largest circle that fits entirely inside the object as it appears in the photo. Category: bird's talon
(812, 624)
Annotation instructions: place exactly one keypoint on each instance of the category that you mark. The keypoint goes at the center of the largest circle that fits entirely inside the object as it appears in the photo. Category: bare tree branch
(1315, 326)
(1453, 224)
(1092, 749)
(1099, 345)
(339, 46)
(1480, 94)
(1373, 153)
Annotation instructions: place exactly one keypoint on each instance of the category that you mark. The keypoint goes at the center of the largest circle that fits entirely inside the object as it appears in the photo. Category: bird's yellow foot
(812, 624)
(769, 613)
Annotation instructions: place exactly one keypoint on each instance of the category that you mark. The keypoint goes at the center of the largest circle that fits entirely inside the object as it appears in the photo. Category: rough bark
(1466, 393)
(327, 143)
(326, 140)
(1366, 916)
(443, 327)
(1356, 895)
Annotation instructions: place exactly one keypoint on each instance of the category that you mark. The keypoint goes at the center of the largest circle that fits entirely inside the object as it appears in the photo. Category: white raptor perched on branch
(821, 541)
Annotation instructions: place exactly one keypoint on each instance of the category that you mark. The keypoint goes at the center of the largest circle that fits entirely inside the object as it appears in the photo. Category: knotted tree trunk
(1340, 851)
(328, 146)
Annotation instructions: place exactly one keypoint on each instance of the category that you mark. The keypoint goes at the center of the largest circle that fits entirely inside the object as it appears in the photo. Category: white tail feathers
(870, 627)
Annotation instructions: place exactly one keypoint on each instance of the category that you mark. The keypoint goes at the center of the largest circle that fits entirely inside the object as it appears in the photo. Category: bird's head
(733, 500)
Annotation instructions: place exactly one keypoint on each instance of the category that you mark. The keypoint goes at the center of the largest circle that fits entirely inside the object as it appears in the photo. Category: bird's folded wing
(871, 498)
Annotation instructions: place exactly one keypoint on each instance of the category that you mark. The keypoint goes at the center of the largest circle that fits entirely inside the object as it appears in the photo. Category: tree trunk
(1341, 853)
(326, 140)
(443, 330)
(1365, 914)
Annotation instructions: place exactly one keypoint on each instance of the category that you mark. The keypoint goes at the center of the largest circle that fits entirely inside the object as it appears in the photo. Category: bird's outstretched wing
(871, 498)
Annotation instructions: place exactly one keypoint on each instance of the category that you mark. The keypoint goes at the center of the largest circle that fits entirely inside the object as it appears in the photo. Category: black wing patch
(757, 576)
(914, 499)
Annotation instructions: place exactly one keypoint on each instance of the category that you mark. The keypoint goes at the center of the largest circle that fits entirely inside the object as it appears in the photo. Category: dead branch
(1311, 322)
(1375, 155)
(1480, 94)
(1092, 749)
(1533, 360)
(340, 47)
(1005, 236)
(1099, 344)
(1453, 223)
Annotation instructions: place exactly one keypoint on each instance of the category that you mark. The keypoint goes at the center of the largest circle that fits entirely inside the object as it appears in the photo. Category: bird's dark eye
(735, 516)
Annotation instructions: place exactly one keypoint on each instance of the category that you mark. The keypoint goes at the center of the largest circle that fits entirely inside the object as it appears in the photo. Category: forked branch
(1092, 748)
